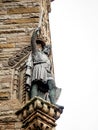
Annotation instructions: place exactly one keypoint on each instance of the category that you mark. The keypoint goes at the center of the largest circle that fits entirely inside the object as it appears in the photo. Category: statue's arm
(33, 39)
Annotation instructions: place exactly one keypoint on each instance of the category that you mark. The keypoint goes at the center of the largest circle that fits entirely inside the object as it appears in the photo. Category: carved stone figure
(39, 78)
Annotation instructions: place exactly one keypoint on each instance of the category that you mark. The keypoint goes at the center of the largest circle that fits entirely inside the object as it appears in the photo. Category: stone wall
(10, 126)
(18, 18)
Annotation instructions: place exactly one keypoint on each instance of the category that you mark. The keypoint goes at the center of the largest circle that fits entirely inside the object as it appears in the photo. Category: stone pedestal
(39, 114)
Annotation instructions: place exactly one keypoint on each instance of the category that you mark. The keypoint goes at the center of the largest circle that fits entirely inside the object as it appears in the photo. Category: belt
(40, 62)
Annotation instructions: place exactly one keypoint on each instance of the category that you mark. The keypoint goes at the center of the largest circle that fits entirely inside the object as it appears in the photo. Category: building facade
(18, 19)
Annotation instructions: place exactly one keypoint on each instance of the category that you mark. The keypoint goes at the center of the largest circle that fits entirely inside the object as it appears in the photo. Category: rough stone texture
(11, 126)
(8, 120)
(39, 114)
(18, 18)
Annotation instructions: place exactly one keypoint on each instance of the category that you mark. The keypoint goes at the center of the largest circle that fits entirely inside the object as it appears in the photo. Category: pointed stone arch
(18, 64)
(19, 57)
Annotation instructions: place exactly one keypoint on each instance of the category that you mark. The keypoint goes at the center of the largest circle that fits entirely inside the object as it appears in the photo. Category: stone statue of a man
(39, 78)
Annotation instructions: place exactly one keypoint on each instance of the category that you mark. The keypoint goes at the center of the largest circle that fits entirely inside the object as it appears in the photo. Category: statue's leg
(34, 91)
(52, 91)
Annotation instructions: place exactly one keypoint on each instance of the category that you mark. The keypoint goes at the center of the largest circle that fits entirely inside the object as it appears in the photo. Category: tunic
(38, 68)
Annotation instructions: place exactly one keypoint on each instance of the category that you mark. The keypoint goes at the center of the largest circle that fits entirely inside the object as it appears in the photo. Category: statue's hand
(38, 29)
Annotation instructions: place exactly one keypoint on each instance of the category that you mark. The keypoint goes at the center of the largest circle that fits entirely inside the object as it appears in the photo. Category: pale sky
(74, 34)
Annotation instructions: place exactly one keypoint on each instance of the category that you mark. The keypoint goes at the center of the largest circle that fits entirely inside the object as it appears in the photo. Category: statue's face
(47, 50)
(39, 47)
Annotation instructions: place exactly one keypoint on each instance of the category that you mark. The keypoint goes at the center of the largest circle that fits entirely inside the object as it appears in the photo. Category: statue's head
(47, 49)
(43, 47)
(40, 44)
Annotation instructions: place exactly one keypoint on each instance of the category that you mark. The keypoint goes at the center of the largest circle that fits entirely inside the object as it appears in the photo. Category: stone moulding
(38, 113)
(17, 58)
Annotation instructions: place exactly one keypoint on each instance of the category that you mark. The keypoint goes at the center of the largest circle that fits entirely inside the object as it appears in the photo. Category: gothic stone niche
(19, 84)
(18, 63)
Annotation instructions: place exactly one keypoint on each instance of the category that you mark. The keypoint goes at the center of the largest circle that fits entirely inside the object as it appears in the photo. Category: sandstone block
(4, 95)
(5, 78)
(3, 12)
(9, 126)
(18, 39)
(2, 40)
(4, 85)
(5, 72)
(21, 30)
(21, 21)
(23, 10)
(7, 45)
(18, 26)
(2, 127)
(18, 125)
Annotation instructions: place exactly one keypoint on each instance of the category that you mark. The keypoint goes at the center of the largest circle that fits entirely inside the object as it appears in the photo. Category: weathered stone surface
(8, 45)
(39, 113)
(3, 12)
(10, 126)
(8, 120)
(4, 95)
(23, 25)
(19, 39)
(4, 1)
(5, 85)
(18, 125)
(12, 31)
(5, 72)
(23, 10)
(4, 79)
(11, 105)
(18, 19)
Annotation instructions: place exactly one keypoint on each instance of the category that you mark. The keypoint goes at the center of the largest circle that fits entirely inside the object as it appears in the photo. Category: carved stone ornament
(39, 114)
(17, 58)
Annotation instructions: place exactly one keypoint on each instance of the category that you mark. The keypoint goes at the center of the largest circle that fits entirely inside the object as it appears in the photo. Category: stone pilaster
(39, 114)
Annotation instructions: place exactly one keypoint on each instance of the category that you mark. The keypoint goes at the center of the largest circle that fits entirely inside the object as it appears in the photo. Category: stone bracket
(39, 113)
